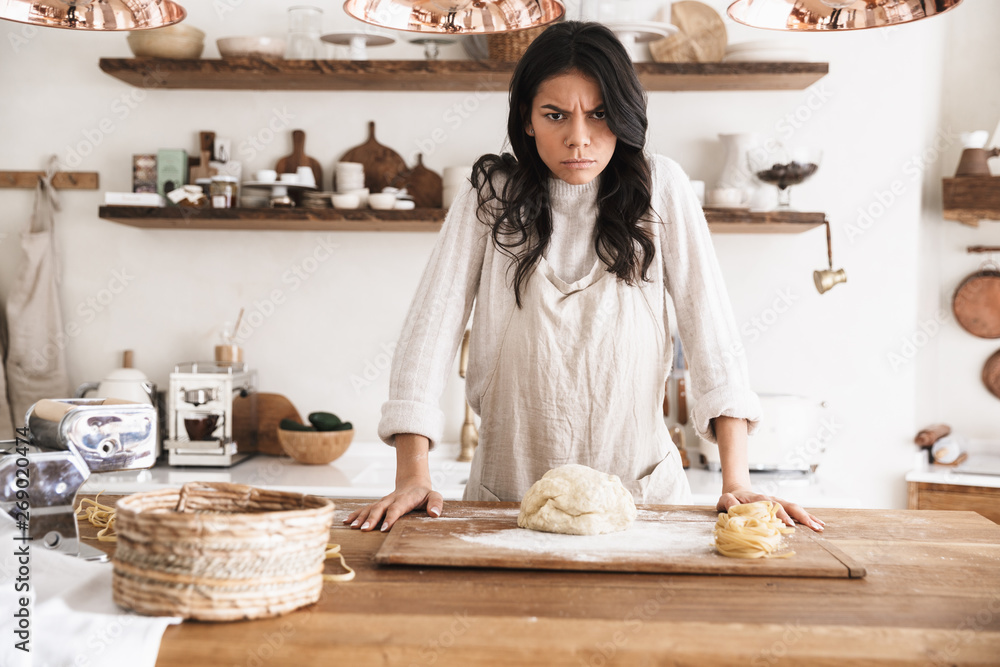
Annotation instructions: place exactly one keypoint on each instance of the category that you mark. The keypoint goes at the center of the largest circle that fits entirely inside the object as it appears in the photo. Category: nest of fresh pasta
(752, 530)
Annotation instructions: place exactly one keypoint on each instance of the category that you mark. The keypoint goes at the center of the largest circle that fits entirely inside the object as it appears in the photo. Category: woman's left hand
(786, 512)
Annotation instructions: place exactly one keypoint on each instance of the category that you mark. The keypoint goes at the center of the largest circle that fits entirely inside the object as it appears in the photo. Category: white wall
(879, 107)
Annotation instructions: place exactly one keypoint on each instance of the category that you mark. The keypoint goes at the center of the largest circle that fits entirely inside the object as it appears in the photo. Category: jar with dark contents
(225, 191)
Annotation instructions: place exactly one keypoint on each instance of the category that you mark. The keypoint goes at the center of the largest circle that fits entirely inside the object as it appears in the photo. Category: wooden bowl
(315, 447)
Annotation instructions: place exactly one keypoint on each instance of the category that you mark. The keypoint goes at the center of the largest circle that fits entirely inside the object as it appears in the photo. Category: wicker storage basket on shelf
(510, 46)
(220, 552)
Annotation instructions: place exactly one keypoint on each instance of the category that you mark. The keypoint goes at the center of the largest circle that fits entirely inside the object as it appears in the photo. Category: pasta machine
(65, 440)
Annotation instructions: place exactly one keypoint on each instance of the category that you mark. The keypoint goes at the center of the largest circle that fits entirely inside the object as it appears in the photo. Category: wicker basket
(220, 552)
(510, 46)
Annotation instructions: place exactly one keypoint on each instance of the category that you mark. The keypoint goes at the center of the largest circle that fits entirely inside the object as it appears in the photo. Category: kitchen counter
(368, 469)
(931, 597)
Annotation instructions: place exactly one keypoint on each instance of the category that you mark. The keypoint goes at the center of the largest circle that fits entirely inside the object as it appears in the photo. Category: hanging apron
(578, 378)
(36, 359)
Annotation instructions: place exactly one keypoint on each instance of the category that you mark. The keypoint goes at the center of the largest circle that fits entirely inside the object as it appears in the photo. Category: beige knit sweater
(465, 267)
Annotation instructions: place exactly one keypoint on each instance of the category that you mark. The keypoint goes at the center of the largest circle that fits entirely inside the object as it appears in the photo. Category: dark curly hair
(521, 215)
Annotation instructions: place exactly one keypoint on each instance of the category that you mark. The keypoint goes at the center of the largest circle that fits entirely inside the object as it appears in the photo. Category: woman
(568, 248)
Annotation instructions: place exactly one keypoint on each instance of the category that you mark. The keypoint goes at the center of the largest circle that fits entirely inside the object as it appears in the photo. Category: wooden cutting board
(702, 37)
(290, 163)
(662, 540)
(383, 166)
(271, 409)
(424, 186)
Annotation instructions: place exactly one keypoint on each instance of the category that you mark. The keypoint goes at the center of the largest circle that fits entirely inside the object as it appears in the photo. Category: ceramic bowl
(178, 41)
(243, 47)
(382, 201)
(362, 194)
(315, 447)
(345, 201)
(405, 205)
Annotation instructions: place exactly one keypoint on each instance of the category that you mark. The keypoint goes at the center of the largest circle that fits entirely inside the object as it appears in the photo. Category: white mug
(306, 175)
(266, 176)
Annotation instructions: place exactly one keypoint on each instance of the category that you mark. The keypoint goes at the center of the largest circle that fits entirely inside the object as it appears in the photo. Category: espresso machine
(65, 440)
(211, 414)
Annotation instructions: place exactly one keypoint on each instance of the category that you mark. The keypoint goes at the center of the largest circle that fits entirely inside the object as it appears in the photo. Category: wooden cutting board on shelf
(290, 163)
(271, 409)
(662, 540)
(702, 37)
(424, 186)
(383, 166)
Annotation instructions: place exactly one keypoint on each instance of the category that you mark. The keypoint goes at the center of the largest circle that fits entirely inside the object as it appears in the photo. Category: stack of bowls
(453, 181)
(349, 179)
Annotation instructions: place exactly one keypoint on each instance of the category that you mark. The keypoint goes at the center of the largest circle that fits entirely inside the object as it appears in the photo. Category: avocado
(292, 425)
(343, 426)
(325, 421)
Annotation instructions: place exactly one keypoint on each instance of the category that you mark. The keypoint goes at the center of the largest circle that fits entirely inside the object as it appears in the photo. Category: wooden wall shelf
(434, 75)
(970, 199)
(720, 221)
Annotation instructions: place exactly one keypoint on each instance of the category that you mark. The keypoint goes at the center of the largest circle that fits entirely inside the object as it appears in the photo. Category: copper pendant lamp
(96, 15)
(456, 17)
(826, 15)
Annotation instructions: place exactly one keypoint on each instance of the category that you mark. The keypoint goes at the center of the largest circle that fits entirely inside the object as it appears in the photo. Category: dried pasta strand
(334, 550)
(751, 530)
(99, 516)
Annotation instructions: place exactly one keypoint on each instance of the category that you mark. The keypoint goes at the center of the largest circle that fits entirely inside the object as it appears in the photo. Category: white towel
(73, 621)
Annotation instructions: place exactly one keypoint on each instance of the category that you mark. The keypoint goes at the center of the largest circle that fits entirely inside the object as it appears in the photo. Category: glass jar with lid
(225, 191)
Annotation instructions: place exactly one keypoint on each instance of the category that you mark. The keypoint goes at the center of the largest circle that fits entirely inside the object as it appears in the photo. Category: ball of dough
(577, 500)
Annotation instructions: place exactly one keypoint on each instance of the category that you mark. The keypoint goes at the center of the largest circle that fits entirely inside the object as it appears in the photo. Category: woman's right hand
(410, 494)
(413, 487)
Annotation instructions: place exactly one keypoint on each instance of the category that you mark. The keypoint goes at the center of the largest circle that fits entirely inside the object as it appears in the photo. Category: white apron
(36, 358)
(578, 378)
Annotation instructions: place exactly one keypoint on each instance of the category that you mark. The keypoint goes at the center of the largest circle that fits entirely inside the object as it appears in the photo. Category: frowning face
(570, 131)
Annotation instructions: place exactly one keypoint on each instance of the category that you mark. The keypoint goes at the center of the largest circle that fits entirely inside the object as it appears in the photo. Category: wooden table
(931, 597)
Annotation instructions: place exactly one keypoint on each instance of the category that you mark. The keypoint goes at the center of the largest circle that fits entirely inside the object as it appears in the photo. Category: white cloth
(74, 622)
(465, 267)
